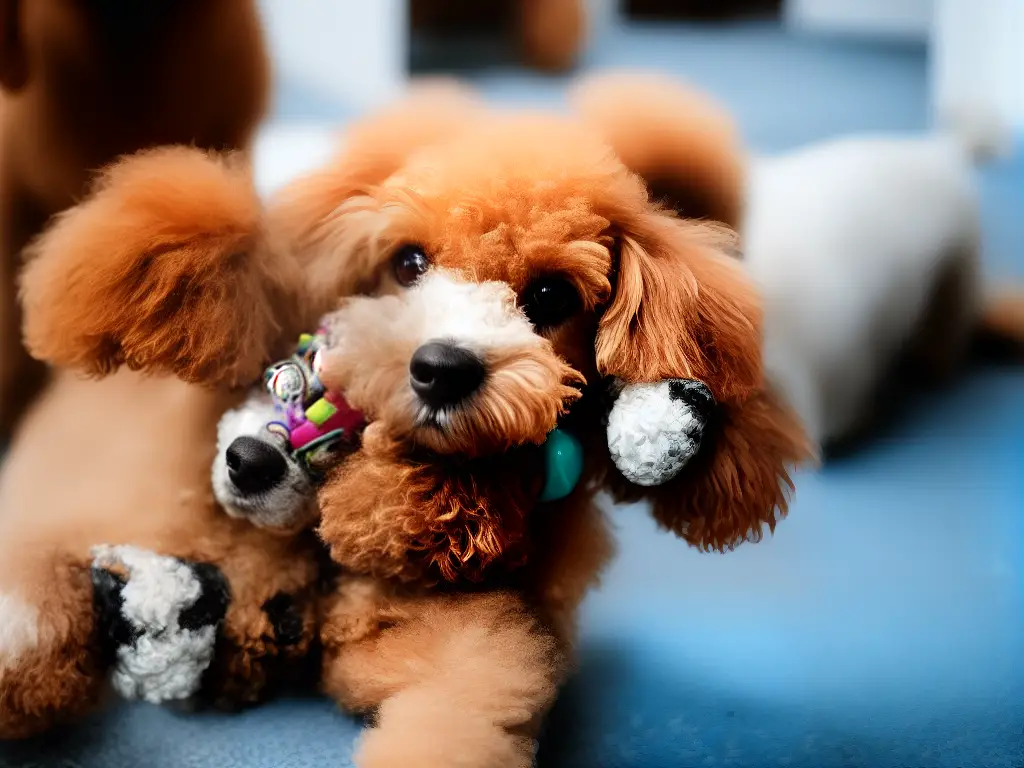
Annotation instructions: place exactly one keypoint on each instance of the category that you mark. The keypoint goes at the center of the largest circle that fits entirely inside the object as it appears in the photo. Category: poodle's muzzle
(449, 364)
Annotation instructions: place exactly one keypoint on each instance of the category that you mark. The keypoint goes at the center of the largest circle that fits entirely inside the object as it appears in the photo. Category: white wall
(978, 55)
(891, 18)
(353, 52)
(976, 46)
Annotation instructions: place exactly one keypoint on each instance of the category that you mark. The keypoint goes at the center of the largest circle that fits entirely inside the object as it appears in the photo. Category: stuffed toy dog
(503, 271)
(83, 82)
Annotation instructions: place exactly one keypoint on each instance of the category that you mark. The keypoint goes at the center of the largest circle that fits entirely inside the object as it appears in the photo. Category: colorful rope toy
(315, 422)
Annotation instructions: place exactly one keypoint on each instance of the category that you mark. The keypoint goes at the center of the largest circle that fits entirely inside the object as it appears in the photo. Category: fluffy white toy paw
(655, 429)
(159, 617)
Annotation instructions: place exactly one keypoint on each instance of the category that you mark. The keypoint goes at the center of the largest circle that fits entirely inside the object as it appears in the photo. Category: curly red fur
(396, 517)
(743, 482)
(678, 284)
(60, 678)
(686, 147)
(682, 309)
(84, 82)
(161, 269)
(304, 212)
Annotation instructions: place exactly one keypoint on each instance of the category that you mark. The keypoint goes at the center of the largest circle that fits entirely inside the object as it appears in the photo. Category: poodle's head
(500, 270)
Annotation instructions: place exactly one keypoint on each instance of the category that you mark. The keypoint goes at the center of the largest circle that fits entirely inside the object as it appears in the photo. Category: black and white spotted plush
(160, 617)
(655, 429)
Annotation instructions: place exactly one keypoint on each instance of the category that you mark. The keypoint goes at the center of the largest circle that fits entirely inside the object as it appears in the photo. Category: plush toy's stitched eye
(409, 263)
(550, 301)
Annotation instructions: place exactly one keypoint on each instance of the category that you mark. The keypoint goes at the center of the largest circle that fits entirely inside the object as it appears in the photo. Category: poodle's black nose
(443, 373)
(254, 466)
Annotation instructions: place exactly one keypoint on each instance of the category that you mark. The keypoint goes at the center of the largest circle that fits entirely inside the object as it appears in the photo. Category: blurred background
(883, 625)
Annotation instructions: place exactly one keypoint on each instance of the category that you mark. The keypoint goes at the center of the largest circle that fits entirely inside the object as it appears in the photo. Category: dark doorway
(702, 10)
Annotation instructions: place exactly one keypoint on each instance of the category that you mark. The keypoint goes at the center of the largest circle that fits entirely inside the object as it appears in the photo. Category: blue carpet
(882, 626)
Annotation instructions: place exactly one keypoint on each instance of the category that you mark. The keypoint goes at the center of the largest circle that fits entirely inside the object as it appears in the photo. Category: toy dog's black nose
(253, 465)
(443, 373)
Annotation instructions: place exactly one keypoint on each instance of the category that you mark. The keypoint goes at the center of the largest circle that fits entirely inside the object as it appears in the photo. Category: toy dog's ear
(683, 309)
(318, 214)
(684, 146)
(161, 268)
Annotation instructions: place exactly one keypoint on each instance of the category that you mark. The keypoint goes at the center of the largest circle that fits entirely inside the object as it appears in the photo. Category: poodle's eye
(550, 301)
(409, 263)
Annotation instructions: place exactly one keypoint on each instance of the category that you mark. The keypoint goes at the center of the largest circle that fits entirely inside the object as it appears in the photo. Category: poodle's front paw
(655, 429)
(158, 617)
(262, 653)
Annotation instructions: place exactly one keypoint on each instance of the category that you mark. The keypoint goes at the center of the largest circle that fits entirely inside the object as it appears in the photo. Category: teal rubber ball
(563, 456)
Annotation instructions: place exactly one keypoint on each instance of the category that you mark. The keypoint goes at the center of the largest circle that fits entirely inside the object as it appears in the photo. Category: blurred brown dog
(550, 33)
(84, 81)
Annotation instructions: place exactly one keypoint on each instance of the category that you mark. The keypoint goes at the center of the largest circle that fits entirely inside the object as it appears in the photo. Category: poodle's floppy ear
(684, 146)
(161, 268)
(682, 308)
(307, 211)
